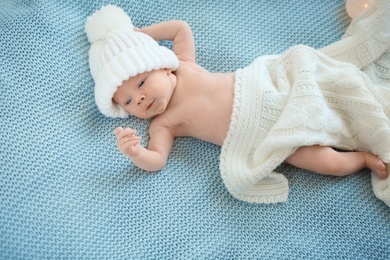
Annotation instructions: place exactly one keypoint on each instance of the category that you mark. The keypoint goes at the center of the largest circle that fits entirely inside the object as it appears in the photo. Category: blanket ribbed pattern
(300, 98)
(67, 192)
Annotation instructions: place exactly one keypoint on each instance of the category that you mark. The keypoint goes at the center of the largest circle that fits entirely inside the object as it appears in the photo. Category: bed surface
(67, 192)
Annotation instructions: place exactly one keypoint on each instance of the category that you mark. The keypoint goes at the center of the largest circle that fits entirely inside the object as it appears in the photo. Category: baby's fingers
(128, 139)
(120, 133)
(118, 130)
(130, 146)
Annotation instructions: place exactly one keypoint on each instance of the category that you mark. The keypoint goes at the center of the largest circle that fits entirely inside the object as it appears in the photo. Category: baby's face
(148, 94)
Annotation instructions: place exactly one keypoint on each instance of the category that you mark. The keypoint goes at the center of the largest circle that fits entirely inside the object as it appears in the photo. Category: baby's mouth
(150, 105)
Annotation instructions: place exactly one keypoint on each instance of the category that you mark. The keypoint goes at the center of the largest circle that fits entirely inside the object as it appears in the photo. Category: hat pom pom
(106, 20)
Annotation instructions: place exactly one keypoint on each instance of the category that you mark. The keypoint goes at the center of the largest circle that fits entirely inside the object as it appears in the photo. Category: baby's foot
(376, 165)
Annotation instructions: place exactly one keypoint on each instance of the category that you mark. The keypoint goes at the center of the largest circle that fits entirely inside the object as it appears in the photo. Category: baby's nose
(142, 98)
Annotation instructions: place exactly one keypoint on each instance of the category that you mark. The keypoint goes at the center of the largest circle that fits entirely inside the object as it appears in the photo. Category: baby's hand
(127, 142)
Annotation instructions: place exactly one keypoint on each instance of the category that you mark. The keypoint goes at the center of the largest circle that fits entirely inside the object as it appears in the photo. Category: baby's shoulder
(190, 67)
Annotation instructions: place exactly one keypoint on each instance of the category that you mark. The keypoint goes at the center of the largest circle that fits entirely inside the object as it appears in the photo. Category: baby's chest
(206, 122)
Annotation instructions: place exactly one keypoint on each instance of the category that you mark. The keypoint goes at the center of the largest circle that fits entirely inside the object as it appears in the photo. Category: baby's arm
(177, 31)
(152, 158)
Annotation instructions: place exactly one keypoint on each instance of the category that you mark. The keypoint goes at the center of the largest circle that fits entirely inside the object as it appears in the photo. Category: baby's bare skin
(201, 105)
(195, 102)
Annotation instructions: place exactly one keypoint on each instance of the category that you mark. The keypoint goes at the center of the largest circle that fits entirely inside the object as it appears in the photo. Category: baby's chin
(151, 116)
(160, 110)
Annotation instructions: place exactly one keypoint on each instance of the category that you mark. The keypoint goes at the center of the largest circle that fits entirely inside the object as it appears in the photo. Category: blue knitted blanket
(67, 192)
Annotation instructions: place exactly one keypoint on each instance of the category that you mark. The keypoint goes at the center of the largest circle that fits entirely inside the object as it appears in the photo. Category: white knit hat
(118, 52)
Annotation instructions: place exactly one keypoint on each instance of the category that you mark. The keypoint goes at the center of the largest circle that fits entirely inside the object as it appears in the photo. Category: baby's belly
(212, 131)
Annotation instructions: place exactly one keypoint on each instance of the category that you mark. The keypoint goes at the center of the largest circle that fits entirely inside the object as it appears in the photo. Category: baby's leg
(328, 161)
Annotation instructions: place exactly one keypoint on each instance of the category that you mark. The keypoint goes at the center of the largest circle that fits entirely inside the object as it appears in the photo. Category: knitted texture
(301, 98)
(366, 38)
(118, 52)
(66, 192)
(305, 98)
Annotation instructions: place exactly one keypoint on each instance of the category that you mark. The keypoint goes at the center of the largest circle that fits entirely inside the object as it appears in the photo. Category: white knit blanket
(304, 97)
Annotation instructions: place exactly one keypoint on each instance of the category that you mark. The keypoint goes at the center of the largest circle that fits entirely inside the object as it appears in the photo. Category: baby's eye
(141, 83)
(128, 102)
